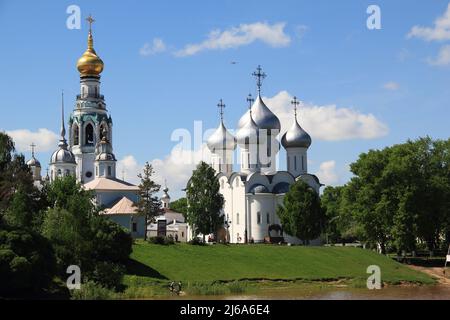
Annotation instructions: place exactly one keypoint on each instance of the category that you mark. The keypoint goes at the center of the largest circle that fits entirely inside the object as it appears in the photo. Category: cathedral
(253, 193)
(88, 154)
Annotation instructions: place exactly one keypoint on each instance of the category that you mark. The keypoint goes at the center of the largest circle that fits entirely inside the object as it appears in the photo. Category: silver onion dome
(62, 155)
(263, 117)
(104, 150)
(296, 137)
(33, 162)
(249, 132)
(221, 139)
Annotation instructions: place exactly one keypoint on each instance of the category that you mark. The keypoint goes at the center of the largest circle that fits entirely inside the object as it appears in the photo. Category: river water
(435, 292)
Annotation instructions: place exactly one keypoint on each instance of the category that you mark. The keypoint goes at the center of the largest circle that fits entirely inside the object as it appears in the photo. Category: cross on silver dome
(221, 106)
(260, 76)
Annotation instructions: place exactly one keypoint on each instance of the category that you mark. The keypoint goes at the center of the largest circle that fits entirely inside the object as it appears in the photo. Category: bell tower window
(89, 134)
(76, 135)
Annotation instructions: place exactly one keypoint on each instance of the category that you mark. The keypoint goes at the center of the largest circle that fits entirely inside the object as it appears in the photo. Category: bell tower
(89, 121)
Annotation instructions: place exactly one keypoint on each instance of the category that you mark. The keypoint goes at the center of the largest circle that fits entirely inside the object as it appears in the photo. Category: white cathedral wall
(237, 229)
(261, 204)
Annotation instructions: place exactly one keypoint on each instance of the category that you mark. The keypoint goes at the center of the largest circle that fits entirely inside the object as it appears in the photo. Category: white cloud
(328, 122)
(176, 167)
(443, 57)
(440, 31)
(44, 139)
(391, 85)
(245, 34)
(157, 46)
(327, 173)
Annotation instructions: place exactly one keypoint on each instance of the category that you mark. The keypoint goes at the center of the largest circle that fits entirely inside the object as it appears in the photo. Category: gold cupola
(90, 63)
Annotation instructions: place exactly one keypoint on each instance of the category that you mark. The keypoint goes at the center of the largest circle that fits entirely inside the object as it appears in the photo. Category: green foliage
(161, 240)
(301, 215)
(398, 195)
(197, 242)
(27, 262)
(98, 245)
(92, 291)
(148, 205)
(205, 201)
(179, 205)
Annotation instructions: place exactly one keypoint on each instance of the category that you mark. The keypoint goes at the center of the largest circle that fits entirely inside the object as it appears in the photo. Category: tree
(204, 201)
(148, 205)
(80, 236)
(301, 214)
(179, 205)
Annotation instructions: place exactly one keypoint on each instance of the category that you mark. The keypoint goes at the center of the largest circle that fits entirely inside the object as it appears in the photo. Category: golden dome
(90, 63)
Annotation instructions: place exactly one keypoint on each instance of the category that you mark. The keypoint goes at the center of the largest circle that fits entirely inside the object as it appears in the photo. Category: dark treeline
(398, 199)
(45, 230)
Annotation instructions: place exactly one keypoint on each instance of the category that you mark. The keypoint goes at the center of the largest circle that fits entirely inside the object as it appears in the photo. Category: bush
(161, 240)
(196, 242)
(27, 262)
(92, 291)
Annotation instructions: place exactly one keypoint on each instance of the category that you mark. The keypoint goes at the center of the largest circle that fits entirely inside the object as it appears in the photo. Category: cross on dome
(221, 106)
(295, 103)
(260, 76)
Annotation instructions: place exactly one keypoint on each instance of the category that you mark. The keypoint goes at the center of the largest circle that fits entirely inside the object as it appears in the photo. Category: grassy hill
(190, 263)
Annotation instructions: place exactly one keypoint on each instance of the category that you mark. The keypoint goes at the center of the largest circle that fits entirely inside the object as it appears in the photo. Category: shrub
(92, 291)
(161, 240)
(196, 242)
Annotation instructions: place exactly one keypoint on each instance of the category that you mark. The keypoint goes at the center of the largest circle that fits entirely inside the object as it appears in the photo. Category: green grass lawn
(189, 263)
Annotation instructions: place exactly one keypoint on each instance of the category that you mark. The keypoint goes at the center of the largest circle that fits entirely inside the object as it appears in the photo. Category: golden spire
(90, 63)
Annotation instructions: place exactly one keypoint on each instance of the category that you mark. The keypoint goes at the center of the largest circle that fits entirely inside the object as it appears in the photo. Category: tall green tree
(149, 205)
(301, 214)
(204, 201)
(179, 205)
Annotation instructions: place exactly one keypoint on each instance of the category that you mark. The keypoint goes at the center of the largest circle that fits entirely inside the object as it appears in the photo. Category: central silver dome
(62, 155)
(263, 117)
(33, 162)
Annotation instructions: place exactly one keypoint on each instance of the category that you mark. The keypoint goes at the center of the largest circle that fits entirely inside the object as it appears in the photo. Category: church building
(253, 193)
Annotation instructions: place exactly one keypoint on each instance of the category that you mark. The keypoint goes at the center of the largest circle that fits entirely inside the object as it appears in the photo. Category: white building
(253, 194)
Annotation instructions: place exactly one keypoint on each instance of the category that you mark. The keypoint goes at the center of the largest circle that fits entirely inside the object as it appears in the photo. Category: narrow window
(134, 227)
(258, 217)
(96, 171)
(303, 164)
(289, 163)
(109, 171)
(182, 234)
(268, 218)
(89, 134)
(295, 163)
(237, 218)
(59, 172)
(76, 135)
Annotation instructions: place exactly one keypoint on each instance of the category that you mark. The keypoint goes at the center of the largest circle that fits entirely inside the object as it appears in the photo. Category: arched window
(67, 172)
(76, 135)
(89, 134)
(102, 131)
(59, 172)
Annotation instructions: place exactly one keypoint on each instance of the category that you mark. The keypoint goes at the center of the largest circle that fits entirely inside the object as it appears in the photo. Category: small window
(182, 234)
(109, 171)
(59, 172)
(134, 227)
(258, 218)
(268, 218)
(295, 163)
(237, 218)
(303, 164)
(67, 172)
(289, 163)
(76, 135)
(88, 174)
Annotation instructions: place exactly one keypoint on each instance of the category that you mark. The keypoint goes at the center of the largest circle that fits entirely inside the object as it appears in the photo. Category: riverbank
(235, 270)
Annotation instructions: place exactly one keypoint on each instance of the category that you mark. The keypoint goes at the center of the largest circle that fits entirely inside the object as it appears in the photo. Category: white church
(253, 193)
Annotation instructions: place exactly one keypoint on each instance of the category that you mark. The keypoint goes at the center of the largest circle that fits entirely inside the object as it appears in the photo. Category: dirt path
(444, 279)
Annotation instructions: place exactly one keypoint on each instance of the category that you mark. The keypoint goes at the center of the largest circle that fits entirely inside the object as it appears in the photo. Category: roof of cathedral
(221, 139)
(263, 117)
(102, 183)
(171, 216)
(296, 137)
(33, 162)
(123, 206)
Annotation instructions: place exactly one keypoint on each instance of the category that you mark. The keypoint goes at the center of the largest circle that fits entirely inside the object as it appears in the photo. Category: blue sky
(361, 88)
